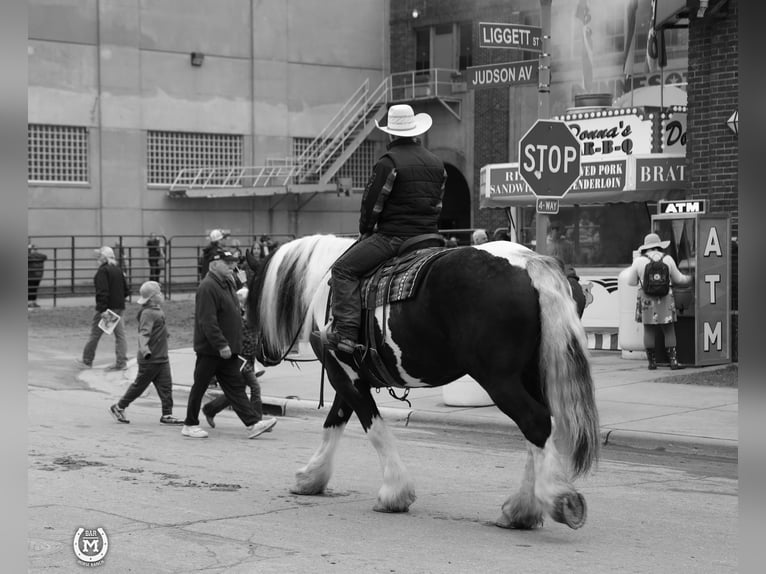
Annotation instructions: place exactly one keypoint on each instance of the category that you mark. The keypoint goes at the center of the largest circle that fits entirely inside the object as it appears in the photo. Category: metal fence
(70, 262)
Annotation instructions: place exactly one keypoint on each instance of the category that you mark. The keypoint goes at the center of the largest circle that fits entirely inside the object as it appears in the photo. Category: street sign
(506, 74)
(547, 205)
(519, 36)
(549, 158)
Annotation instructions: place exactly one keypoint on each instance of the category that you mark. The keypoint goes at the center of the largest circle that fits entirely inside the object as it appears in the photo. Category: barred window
(170, 152)
(358, 167)
(57, 154)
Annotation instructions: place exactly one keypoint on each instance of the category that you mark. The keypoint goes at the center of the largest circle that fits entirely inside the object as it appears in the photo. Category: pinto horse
(498, 312)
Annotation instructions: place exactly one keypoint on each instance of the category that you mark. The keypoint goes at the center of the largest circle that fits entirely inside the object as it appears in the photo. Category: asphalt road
(222, 504)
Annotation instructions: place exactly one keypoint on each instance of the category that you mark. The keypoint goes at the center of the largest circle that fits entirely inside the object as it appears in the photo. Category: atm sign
(686, 206)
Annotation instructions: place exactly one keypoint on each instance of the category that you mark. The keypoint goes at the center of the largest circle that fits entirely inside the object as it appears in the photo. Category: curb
(610, 437)
(659, 442)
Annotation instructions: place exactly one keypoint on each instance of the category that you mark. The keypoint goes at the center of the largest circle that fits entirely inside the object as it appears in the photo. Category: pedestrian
(452, 241)
(156, 256)
(657, 311)
(111, 288)
(578, 294)
(250, 374)
(153, 362)
(215, 242)
(218, 346)
(402, 199)
(35, 270)
(479, 236)
(558, 246)
(501, 234)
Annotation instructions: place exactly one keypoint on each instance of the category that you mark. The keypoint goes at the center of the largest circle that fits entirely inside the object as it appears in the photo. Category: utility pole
(544, 106)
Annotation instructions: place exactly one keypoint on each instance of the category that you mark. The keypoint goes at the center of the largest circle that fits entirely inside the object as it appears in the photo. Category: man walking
(218, 345)
(111, 291)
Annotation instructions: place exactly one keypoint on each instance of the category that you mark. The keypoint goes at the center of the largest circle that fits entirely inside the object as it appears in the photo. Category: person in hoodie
(153, 362)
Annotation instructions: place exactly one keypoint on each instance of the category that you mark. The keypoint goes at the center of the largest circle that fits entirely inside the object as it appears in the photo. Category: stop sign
(549, 158)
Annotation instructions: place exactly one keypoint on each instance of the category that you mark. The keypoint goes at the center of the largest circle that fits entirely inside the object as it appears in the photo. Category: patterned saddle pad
(399, 278)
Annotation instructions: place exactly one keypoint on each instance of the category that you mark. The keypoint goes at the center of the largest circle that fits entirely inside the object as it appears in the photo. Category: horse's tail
(564, 366)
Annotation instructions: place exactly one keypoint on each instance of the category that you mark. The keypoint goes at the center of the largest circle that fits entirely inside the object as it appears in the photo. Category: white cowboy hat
(403, 122)
(652, 241)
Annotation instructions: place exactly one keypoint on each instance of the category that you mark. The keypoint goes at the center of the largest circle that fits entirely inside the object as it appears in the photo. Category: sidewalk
(636, 408)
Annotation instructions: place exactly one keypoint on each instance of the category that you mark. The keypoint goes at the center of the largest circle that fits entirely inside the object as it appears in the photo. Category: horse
(498, 312)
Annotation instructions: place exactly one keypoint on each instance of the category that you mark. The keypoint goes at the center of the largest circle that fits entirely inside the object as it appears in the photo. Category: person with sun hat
(402, 199)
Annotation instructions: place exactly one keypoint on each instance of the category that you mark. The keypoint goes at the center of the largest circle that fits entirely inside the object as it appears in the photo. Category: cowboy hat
(652, 241)
(403, 122)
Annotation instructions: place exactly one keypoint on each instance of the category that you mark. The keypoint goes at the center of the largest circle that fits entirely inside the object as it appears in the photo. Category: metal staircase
(313, 171)
(327, 153)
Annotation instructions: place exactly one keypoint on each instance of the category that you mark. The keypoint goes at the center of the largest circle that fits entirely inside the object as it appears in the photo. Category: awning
(212, 192)
(649, 177)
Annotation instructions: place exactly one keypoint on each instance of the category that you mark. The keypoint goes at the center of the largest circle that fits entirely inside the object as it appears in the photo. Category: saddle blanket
(399, 278)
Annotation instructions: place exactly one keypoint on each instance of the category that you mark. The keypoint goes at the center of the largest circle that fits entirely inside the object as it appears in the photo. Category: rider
(402, 199)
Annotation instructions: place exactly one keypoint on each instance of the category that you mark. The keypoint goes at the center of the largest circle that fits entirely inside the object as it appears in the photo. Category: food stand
(631, 158)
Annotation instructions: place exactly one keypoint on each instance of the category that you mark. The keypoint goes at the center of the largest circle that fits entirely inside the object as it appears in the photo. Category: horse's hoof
(570, 509)
(387, 509)
(527, 524)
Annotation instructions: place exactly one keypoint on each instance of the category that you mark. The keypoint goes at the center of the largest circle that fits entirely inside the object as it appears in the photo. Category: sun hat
(403, 122)
(148, 290)
(652, 241)
(216, 235)
(105, 251)
(224, 255)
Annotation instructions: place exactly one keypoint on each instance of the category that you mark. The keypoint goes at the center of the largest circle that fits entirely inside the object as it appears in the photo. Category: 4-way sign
(549, 161)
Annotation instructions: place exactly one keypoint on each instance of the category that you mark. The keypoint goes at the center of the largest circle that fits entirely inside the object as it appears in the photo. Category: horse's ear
(252, 261)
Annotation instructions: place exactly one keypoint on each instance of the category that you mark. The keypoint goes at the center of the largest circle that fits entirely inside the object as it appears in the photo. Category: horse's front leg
(397, 492)
(313, 478)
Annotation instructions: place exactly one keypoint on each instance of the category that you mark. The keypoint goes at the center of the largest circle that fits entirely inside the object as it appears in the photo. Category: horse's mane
(290, 291)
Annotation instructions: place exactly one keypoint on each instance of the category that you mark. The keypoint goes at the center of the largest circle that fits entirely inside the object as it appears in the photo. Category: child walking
(153, 363)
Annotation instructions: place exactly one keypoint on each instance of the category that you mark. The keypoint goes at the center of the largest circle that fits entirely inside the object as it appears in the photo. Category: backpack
(656, 282)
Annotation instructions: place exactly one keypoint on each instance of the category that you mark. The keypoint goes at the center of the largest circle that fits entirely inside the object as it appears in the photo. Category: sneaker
(209, 418)
(116, 367)
(261, 427)
(170, 420)
(118, 414)
(83, 364)
(194, 431)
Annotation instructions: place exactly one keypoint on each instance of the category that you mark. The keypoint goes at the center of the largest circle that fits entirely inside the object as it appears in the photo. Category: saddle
(393, 281)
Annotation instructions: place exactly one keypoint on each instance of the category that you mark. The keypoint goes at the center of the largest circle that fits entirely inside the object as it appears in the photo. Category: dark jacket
(152, 334)
(203, 265)
(218, 320)
(111, 288)
(403, 197)
(36, 264)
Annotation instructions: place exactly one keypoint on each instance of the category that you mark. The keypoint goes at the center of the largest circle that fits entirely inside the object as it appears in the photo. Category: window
(57, 154)
(466, 45)
(423, 49)
(358, 167)
(600, 235)
(170, 152)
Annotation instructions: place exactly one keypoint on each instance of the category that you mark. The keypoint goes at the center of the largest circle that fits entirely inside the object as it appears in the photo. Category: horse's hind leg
(313, 478)
(523, 510)
(545, 486)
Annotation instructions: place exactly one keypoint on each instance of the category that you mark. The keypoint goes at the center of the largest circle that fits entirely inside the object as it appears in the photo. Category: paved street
(222, 504)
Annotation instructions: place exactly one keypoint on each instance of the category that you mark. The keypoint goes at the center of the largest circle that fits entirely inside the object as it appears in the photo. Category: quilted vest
(415, 202)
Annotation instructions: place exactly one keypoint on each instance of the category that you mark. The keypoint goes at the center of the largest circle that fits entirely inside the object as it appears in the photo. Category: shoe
(261, 427)
(170, 420)
(652, 358)
(194, 431)
(258, 369)
(116, 367)
(209, 418)
(338, 343)
(83, 364)
(118, 414)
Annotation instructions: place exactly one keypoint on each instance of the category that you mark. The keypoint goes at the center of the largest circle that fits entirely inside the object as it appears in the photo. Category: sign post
(544, 105)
